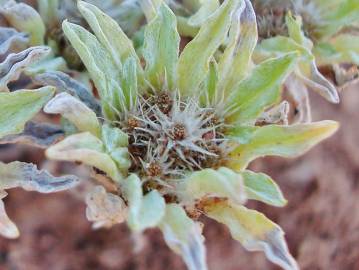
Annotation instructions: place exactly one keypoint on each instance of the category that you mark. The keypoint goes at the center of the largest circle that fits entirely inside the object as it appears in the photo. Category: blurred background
(321, 220)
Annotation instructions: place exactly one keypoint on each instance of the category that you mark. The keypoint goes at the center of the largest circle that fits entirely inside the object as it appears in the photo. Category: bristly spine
(169, 136)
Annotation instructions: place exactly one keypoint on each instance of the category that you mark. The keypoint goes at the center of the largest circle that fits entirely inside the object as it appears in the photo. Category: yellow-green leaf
(197, 54)
(100, 65)
(110, 35)
(259, 90)
(261, 187)
(86, 148)
(222, 183)
(161, 48)
(277, 140)
(184, 237)
(236, 61)
(145, 211)
(254, 231)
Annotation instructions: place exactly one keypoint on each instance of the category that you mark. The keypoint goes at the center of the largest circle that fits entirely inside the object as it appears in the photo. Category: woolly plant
(176, 130)
(326, 35)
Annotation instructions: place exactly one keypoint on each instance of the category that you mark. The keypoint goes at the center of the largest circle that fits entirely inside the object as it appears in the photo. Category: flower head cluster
(172, 133)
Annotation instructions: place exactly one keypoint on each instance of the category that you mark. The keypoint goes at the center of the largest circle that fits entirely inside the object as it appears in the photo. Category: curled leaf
(28, 177)
(24, 18)
(75, 111)
(298, 91)
(184, 237)
(16, 108)
(86, 148)
(145, 211)
(277, 140)
(254, 231)
(12, 40)
(64, 83)
(277, 114)
(36, 134)
(15, 63)
(104, 209)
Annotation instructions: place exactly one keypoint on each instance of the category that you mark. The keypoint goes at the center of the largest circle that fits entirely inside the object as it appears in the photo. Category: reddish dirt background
(321, 220)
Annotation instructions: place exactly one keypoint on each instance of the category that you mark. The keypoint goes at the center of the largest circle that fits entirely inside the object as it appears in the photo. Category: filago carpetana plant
(175, 131)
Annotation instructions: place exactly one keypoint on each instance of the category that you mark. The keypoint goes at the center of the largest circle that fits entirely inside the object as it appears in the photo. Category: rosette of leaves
(177, 130)
(17, 107)
(324, 32)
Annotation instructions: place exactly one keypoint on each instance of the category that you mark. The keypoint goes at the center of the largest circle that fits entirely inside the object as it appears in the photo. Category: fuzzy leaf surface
(16, 108)
(86, 148)
(194, 61)
(145, 211)
(28, 177)
(223, 183)
(254, 231)
(15, 63)
(161, 49)
(277, 140)
(75, 111)
(184, 237)
(260, 89)
(261, 187)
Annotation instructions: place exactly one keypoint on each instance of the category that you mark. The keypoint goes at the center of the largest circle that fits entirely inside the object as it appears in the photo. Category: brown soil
(321, 220)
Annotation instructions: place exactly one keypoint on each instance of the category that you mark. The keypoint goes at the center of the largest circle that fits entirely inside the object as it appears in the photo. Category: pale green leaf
(254, 231)
(48, 10)
(261, 187)
(75, 111)
(197, 54)
(184, 237)
(24, 18)
(99, 63)
(85, 148)
(344, 14)
(222, 183)
(28, 177)
(110, 35)
(129, 82)
(209, 96)
(116, 142)
(277, 140)
(16, 108)
(161, 48)
(145, 211)
(260, 89)
(207, 9)
(236, 61)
